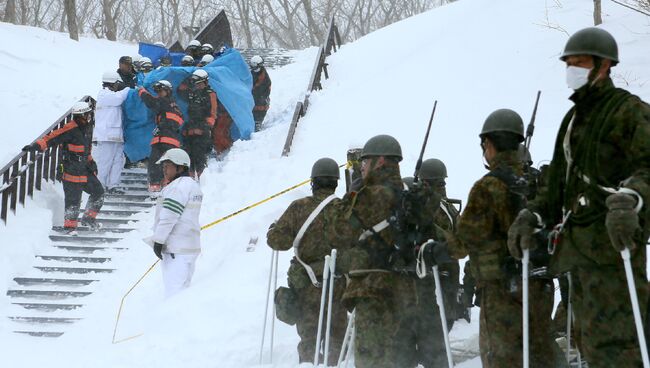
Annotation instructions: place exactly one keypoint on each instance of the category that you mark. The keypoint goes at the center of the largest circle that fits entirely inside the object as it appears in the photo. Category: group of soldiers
(575, 219)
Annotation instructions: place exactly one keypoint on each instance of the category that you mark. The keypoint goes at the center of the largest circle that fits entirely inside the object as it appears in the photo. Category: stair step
(30, 281)
(79, 270)
(79, 259)
(86, 248)
(45, 320)
(113, 221)
(124, 213)
(47, 294)
(83, 239)
(84, 229)
(49, 307)
(133, 197)
(134, 172)
(134, 180)
(118, 203)
(40, 333)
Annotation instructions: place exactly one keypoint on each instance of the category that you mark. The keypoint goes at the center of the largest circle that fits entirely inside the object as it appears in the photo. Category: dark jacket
(75, 142)
(168, 119)
(261, 88)
(129, 79)
(202, 103)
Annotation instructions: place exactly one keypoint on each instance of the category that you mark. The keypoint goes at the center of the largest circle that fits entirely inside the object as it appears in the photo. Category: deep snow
(473, 56)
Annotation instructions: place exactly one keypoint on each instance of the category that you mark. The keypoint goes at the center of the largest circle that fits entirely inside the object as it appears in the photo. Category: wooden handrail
(25, 172)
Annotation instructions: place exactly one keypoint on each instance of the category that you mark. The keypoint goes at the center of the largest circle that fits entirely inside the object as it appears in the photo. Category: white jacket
(176, 224)
(108, 115)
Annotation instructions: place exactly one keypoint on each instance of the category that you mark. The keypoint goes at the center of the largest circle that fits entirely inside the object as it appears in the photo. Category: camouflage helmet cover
(382, 145)
(325, 167)
(433, 169)
(592, 41)
(504, 120)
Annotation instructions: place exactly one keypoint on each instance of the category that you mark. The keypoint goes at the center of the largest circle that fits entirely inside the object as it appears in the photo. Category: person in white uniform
(177, 233)
(108, 136)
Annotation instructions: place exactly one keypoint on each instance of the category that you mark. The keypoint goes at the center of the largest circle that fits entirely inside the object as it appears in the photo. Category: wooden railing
(28, 170)
(332, 43)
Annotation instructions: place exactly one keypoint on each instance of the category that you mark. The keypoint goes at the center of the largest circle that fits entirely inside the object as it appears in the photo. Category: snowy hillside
(473, 56)
(44, 73)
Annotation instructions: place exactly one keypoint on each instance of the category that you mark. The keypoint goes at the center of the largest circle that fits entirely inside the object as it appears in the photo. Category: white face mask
(577, 77)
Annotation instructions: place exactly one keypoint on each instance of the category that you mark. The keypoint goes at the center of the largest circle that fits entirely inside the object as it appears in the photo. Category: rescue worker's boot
(92, 223)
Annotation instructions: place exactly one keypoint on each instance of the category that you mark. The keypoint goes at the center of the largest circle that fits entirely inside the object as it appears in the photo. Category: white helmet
(144, 60)
(256, 61)
(187, 60)
(194, 43)
(177, 156)
(207, 59)
(200, 74)
(159, 43)
(81, 107)
(136, 58)
(162, 84)
(111, 77)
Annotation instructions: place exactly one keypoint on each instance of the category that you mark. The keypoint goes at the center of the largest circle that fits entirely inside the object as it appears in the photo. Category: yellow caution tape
(119, 312)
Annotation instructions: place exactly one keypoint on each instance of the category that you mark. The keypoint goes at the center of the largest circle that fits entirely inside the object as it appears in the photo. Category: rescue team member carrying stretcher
(169, 120)
(79, 168)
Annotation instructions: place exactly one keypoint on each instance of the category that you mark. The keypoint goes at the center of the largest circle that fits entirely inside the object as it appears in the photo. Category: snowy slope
(472, 56)
(43, 74)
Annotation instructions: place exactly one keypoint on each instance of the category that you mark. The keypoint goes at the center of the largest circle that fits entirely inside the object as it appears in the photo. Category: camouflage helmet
(382, 145)
(592, 41)
(503, 120)
(433, 169)
(325, 167)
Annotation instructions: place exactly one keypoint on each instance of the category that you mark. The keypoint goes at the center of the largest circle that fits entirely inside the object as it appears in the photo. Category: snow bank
(472, 56)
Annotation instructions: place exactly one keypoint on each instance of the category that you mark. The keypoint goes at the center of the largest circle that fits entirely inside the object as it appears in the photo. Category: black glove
(93, 167)
(31, 147)
(622, 221)
(437, 253)
(157, 249)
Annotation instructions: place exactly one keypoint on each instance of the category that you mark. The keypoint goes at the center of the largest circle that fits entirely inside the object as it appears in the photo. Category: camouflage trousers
(501, 331)
(376, 328)
(603, 315)
(420, 337)
(307, 324)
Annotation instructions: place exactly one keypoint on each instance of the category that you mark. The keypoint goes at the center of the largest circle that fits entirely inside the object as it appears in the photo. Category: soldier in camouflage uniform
(382, 298)
(493, 203)
(434, 173)
(310, 253)
(598, 179)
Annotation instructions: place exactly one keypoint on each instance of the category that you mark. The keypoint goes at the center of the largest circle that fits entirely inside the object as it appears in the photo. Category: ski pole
(275, 287)
(443, 317)
(266, 306)
(326, 269)
(348, 356)
(625, 254)
(328, 325)
(568, 319)
(346, 339)
(525, 262)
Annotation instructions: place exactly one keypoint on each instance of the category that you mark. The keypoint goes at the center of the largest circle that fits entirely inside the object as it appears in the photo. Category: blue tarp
(153, 52)
(229, 77)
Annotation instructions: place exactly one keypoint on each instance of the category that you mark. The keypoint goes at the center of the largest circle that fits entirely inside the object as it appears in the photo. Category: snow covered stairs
(49, 298)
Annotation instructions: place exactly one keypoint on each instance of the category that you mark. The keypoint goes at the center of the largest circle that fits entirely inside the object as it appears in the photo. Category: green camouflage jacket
(312, 248)
(609, 145)
(374, 202)
(483, 225)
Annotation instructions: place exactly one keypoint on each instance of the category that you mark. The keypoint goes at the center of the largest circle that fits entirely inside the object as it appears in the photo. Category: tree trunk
(598, 18)
(71, 13)
(10, 12)
(109, 21)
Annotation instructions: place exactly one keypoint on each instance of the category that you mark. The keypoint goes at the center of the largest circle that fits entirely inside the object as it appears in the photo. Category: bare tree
(598, 18)
(71, 15)
(10, 12)
(111, 11)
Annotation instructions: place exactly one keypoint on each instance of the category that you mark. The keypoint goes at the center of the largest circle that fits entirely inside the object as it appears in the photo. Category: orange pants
(221, 133)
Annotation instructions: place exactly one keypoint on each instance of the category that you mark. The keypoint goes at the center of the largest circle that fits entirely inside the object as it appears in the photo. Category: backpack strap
(301, 233)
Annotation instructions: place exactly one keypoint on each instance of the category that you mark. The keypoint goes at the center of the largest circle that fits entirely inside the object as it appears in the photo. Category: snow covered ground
(473, 56)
